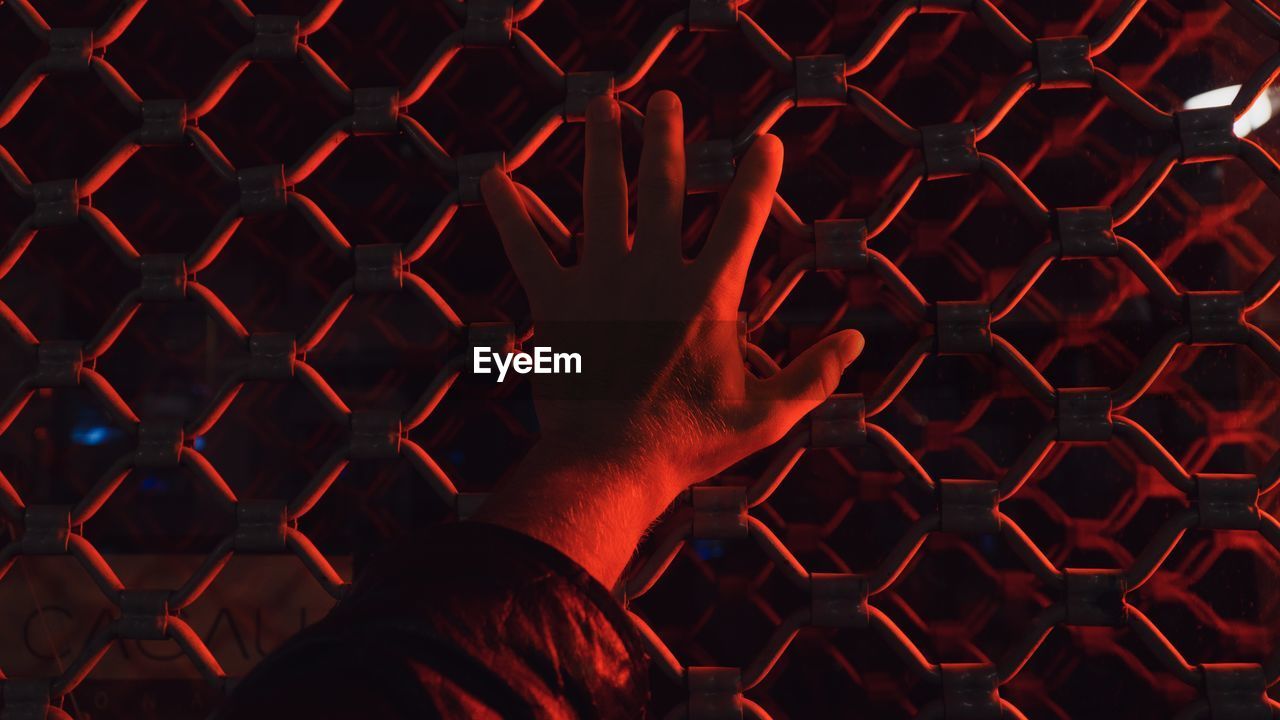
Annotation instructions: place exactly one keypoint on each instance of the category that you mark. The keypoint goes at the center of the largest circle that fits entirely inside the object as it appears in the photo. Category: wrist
(612, 457)
(650, 480)
(594, 507)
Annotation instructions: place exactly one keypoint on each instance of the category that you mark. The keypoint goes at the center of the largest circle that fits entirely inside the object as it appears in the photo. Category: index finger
(745, 209)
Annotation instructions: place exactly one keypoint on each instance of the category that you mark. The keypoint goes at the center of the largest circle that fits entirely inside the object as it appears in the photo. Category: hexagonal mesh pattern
(246, 259)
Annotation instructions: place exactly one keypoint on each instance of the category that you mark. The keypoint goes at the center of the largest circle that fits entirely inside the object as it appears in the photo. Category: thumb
(814, 375)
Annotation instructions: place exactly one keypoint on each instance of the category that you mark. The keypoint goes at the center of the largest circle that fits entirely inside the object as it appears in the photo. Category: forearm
(457, 620)
(592, 509)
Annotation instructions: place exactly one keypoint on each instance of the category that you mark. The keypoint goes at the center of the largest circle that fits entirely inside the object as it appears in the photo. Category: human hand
(663, 374)
(664, 388)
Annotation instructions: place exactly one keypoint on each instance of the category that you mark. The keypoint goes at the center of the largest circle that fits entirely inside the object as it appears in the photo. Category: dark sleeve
(463, 620)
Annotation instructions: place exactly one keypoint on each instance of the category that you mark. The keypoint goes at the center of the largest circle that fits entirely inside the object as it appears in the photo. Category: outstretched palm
(664, 385)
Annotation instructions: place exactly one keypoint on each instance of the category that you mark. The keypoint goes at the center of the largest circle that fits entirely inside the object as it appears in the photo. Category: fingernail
(602, 109)
(665, 100)
(768, 143)
(852, 346)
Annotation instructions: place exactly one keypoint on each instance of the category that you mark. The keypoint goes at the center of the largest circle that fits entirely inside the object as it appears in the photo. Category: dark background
(963, 599)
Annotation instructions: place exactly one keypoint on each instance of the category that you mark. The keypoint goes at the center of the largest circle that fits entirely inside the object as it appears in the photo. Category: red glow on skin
(665, 399)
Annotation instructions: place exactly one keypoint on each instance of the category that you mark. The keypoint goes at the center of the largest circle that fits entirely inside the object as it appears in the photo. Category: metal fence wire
(246, 259)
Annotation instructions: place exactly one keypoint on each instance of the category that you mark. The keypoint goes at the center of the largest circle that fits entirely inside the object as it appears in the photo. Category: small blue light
(708, 549)
(198, 442)
(94, 435)
(151, 482)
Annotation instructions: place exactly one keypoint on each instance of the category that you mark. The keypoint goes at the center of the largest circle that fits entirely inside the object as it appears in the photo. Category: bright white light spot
(1258, 114)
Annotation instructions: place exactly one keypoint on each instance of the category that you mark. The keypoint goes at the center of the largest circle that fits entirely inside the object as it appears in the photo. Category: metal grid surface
(245, 262)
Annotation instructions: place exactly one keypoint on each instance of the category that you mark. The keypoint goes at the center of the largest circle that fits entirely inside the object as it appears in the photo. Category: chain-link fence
(246, 259)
